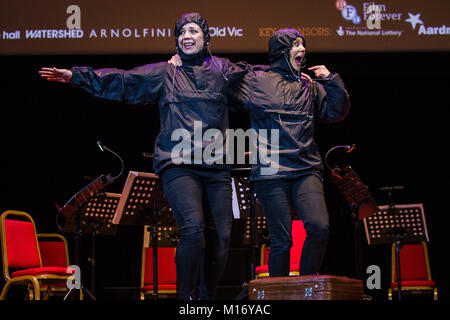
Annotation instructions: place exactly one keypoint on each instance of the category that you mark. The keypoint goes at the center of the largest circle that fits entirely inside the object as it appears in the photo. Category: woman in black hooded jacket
(191, 100)
(284, 105)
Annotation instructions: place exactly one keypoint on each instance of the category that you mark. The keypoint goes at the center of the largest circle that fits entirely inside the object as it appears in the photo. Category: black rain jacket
(280, 100)
(196, 91)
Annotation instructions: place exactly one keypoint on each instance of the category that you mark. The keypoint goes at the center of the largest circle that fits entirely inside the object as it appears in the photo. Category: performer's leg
(309, 202)
(275, 199)
(218, 211)
(183, 189)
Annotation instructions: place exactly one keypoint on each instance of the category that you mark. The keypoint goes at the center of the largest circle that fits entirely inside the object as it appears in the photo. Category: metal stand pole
(154, 238)
(252, 232)
(398, 247)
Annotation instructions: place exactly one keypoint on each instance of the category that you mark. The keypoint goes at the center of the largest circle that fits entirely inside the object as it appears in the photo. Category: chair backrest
(54, 250)
(20, 248)
(414, 263)
(167, 273)
(298, 239)
(166, 263)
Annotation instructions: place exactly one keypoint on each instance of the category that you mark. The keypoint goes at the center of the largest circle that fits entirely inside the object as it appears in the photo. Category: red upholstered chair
(415, 271)
(21, 256)
(54, 252)
(167, 274)
(298, 238)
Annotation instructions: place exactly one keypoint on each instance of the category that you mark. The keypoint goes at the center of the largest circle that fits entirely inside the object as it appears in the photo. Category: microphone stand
(356, 231)
(74, 206)
(349, 148)
(103, 148)
(397, 235)
(94, 227)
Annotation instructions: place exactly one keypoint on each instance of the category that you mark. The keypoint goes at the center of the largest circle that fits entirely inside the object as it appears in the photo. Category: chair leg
(29, 294)
(389, 294)
(37, 290)
(47, 292)
(5, 290)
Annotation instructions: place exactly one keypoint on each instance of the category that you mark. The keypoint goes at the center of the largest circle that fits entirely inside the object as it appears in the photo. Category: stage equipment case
(315, 287)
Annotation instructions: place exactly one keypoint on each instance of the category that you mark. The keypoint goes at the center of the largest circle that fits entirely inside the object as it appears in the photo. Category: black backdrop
(400, 110)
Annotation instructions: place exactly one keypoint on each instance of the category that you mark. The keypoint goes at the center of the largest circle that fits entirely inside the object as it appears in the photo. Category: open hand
(54, 74)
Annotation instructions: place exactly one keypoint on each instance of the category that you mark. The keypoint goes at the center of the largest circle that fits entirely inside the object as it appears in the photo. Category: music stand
(409, 217)
(399, 224)
(72, 213)
(256, 231)
(143, 203)
(96, 218)
(360, 201)
(99, 212)
(355, 192)
(255, 222)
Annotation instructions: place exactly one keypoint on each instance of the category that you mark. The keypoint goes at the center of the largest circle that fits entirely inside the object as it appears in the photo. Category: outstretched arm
(54, 74)
(137, 86)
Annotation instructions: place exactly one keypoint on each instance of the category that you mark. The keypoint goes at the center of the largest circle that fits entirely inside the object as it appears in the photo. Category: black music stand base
(154, 240)
(77, 244)
(84, 291)
(243, 295)
(397, 237)
(357, 244)
(92, 259)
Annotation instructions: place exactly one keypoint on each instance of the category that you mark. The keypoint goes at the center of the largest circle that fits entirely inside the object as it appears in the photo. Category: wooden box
(315, 287)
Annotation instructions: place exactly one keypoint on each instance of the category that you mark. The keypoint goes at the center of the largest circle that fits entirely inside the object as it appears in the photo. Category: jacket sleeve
(137, 86)
(240, 92)
(235, 71)
(332, 100)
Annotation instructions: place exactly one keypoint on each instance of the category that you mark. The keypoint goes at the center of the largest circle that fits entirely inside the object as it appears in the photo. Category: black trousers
(201, 200)
(306, 194)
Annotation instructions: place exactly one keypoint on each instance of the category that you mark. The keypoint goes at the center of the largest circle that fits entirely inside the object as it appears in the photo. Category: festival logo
(367, 19)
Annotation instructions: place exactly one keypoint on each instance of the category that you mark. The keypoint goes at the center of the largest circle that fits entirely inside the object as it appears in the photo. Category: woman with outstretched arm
(190, 98)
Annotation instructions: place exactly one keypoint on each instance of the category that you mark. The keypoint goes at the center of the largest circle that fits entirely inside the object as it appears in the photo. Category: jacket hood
(280, 44)
(203, 24)
(195, 18)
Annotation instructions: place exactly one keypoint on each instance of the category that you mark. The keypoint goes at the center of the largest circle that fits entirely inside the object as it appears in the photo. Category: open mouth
(298, 60)
(188, 45)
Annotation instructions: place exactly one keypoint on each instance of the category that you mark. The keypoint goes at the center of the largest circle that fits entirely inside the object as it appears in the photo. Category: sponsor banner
(142, 26)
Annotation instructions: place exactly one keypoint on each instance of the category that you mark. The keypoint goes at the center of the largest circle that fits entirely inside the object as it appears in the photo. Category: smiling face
(191, 39)
(297, 54)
